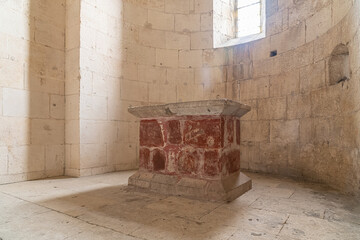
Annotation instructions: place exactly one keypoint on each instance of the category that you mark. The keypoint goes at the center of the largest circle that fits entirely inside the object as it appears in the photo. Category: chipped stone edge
(222, 190)
(222, 107)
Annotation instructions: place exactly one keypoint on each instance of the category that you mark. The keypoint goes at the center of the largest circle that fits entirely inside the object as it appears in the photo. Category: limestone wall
(157, 51)
(72, 88)
(31, 89)
(101, 136)
(120, 59)
(139, 52)
(299, 126)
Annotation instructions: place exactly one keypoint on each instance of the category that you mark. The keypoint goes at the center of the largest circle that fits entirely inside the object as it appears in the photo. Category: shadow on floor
(126, 210)
(275, 207)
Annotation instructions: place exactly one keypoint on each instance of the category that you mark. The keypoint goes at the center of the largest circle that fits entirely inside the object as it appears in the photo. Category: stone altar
(191, 149)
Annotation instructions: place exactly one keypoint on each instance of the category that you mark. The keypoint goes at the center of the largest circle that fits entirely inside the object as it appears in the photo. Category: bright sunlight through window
(248, 17)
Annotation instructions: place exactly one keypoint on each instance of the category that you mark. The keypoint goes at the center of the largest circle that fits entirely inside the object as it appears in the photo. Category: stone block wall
(72, 88)
(132, 53)
(296, 114)
(102, 61)
(301, 125)
(31, 89)
(120, 53)
(223, 21)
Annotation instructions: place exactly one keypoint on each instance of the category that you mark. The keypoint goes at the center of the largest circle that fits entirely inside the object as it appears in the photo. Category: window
(248, 17)
(238, 21)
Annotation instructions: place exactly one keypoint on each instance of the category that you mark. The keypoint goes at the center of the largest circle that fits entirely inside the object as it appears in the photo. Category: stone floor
(103, 207)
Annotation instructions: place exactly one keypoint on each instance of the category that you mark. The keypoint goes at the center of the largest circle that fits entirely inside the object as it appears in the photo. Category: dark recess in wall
(339, 65)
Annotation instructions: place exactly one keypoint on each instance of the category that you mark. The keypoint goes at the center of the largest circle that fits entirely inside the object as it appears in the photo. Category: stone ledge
(224, 190)
(223, 107)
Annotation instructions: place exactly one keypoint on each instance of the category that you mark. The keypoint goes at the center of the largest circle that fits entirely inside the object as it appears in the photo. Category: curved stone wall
(139, 52)
(160, 51)
(300, 126)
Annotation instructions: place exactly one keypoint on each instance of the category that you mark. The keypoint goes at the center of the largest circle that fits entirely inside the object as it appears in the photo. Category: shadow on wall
(101, 82)
(117, 45)
(108, 134)
(339, 65)
(44, 96)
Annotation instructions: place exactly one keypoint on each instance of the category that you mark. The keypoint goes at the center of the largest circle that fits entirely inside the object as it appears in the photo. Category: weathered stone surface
(130, 55)
(298, 106)
(255, 131)
(273, 108)
(237, 131)
(221, 190)
(254, 88)
(231, 161)
(174, 135)
(159, 66)
(210, 107)
(151, 134)
(229, 137)
(158, 159)
(144, 158)
(203, 133)
(284, 84)
(249, 154)
(194, 150)
(108, 212)
(189, 162)
(312, 77)
(284, 131)
(212, 165)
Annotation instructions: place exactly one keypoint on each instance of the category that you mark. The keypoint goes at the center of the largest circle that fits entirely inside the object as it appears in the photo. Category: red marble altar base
(192, 156)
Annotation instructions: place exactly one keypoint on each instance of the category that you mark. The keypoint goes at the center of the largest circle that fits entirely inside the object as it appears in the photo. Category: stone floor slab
(104, 207)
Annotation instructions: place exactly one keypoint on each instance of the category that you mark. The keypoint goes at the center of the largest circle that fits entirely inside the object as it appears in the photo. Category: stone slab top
(223, 107)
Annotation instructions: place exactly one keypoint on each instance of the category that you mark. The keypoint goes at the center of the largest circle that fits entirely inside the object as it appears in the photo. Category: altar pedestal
(191, 149)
